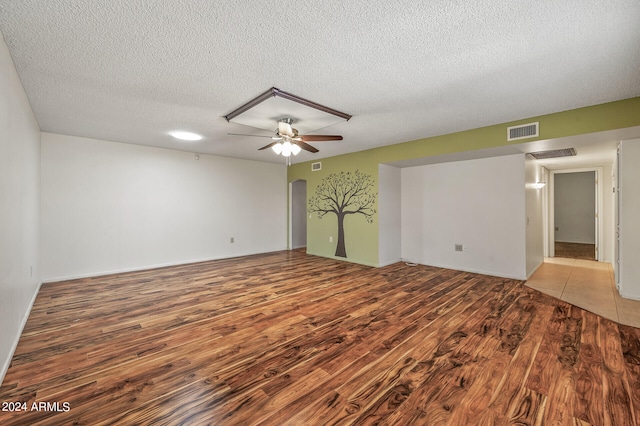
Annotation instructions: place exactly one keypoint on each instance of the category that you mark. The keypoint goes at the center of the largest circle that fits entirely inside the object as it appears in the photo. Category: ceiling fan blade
(306, 147)
(253, 136)
(320, 138)
(268, 146)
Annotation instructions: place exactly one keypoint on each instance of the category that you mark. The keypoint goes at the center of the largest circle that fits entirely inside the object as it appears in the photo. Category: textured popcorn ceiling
(131, 71)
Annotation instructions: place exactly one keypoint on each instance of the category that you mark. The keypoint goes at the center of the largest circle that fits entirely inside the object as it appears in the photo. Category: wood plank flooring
(289, 339)
(575, 250)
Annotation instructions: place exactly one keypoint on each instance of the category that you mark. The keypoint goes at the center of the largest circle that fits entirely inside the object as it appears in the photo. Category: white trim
(7, 362)
(154, 266)
(290, 245)
(389, 262)
(545, 213)
(624, 296)
(471, 270)
(290, 217)
(599, 171)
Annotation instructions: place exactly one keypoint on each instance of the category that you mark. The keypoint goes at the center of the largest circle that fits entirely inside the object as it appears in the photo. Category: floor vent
(554, 153)
(316, 166)
(523, 131)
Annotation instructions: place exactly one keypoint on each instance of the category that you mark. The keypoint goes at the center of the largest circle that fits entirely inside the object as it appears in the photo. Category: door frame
(599, 209)
(290, 213)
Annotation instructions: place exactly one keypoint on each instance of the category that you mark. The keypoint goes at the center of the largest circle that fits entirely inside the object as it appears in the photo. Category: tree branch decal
(344, 194)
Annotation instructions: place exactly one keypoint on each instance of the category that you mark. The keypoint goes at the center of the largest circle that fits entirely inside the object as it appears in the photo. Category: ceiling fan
(287, 141)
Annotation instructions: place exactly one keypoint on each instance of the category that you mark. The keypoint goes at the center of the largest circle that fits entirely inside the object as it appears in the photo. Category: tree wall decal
(344, 194)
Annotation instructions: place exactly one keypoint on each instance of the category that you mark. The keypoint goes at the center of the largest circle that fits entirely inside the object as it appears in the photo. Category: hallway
(587, 284)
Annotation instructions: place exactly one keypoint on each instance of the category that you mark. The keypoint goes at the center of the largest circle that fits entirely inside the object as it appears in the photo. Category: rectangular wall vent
(554, 153)
(316, 166)
(523, 131)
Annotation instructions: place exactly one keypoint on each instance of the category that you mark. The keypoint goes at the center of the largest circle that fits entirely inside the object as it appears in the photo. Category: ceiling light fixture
(287, 138)
(286, 148)
(185, 136)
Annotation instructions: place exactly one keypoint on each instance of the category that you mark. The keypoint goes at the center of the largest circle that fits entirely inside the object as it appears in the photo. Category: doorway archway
(297, 214)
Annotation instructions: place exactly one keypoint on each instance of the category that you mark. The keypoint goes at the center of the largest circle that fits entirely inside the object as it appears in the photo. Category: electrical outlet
(232, 240)
(458, 247)
(330, 239)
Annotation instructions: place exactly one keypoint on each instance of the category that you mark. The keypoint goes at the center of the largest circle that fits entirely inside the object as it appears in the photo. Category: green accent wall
(362, 237)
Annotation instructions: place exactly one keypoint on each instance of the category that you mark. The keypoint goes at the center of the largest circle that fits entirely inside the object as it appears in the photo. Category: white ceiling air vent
(316, 166)
(523, 131)
(554, 153)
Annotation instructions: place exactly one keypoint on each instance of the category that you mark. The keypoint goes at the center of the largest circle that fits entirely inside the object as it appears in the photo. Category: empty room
(271, 213)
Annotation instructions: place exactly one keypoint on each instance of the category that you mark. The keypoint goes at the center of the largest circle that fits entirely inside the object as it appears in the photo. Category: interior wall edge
(389, 262)
(530, 274)
(473, 271)
(628, 296)
(150, 267)
(7, 362)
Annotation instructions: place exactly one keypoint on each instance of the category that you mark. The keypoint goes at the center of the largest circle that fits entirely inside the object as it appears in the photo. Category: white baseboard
(389, 262)
(472, 270)
(147, 267)
(627, 296)
(7, 362)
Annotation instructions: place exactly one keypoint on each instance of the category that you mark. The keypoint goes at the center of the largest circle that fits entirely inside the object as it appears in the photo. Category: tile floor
(587, 284)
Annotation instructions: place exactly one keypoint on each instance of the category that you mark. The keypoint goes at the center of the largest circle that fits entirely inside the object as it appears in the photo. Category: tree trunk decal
(344, 194)
(341, 250)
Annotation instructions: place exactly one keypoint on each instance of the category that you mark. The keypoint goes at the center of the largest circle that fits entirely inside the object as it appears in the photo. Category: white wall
(19, 207)
(629, 205)
(533, 219)
(110, 207)
(575, 201)
(389, 215)
(477, 203)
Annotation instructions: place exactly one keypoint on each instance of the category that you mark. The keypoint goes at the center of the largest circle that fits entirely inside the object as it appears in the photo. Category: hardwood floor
(575, 250)
(286, 338)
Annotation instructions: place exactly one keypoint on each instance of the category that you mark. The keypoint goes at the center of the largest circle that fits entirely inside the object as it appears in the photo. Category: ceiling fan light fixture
(286, 149)
(287, 141)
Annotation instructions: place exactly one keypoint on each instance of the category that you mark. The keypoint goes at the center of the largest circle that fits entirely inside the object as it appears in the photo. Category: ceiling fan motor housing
(284, 127)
